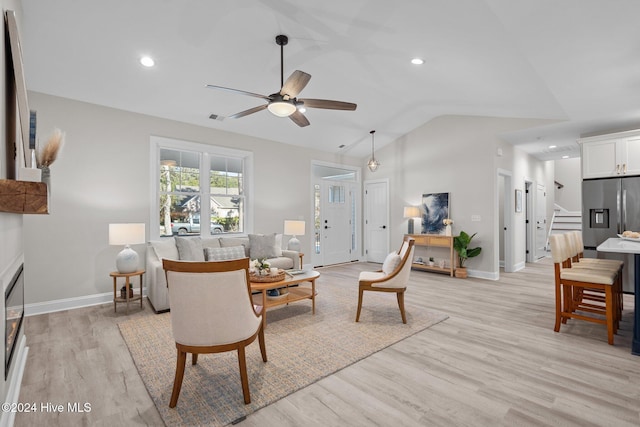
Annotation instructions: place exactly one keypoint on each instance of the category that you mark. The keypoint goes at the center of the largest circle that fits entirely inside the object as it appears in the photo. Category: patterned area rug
(301, 349)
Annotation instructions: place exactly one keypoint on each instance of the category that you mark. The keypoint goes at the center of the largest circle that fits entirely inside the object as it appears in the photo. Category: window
(197, 181)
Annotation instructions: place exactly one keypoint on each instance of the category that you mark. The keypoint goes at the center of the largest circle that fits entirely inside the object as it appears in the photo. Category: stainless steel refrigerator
(609, 207)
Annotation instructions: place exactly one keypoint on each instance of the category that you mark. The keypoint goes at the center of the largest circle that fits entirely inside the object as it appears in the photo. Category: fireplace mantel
(23, 197)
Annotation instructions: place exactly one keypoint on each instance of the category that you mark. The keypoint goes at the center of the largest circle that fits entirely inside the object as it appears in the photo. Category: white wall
(11, 225)
(102, 176)
(568, 173)
(458, 154)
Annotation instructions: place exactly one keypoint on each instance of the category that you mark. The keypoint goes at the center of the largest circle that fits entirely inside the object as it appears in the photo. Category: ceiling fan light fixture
(282, 108)
(147, 61)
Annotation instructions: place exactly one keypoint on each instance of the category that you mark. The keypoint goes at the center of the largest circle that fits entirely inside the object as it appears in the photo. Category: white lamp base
(127, 260)
(294, 244)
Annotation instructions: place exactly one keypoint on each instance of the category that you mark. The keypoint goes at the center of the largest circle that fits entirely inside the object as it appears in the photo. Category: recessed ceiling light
(417, 61)
(552, 146)
(565, 157)
(147, 61)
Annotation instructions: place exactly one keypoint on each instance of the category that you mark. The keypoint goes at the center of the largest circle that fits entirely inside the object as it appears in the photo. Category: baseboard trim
(519, 266)
(69, 303)
(479, 274)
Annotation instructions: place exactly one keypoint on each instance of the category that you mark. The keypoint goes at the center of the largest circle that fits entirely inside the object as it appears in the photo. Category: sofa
(254, 246)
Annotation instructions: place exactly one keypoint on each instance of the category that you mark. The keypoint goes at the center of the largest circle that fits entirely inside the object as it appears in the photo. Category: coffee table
(295, 293)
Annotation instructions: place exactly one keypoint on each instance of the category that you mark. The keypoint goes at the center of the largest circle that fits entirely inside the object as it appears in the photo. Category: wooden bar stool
(571, 281)
(574, 240)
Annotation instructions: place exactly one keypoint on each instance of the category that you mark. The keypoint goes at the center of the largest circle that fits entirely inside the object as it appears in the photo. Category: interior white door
(541, 221)
(335, 223)
(376, 221)
(529, 252)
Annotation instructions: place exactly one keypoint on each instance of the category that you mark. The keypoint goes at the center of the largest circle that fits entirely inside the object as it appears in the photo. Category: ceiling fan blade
(241, 92)
(249, 111)
(295, 83)
(328, 104)
(299, 119)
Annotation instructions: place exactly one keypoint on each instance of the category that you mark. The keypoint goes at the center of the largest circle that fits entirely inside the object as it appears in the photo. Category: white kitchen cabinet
(611, 155)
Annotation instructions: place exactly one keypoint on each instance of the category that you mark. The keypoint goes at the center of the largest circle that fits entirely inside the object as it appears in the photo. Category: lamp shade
(294, 228)
(126, 234)
(411, 212)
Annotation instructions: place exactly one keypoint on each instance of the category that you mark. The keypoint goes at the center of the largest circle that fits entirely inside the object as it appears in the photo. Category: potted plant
(431, 261)
(461, 246)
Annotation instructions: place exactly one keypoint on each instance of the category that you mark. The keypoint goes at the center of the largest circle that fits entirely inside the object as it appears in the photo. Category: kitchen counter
(617, 245)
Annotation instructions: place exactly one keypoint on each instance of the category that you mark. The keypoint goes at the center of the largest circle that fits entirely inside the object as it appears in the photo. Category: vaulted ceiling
(574, 64)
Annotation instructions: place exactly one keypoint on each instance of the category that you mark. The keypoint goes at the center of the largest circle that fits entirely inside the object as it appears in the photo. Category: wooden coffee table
(296, 293)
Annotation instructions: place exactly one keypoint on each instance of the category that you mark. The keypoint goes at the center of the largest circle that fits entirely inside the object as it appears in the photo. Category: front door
(376, 220)
(335, 222)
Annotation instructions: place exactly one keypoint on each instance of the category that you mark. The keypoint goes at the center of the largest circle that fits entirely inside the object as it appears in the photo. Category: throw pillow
(262, 246)
(165, 249)
(223, 254)
(227, 242)
(391, 262)
(210, 242)
(190, 248)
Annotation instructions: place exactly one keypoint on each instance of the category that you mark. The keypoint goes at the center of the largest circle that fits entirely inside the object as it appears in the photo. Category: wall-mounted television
(21, 86)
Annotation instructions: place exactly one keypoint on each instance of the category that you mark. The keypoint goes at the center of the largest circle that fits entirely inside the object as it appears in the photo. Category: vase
(447, 230)
(46, 179)
(46, 174)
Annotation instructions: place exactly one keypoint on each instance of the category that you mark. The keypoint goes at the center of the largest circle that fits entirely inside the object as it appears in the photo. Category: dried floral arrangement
(48, 153)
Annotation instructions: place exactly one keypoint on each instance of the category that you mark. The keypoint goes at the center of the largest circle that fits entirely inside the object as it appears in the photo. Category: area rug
(302, 348)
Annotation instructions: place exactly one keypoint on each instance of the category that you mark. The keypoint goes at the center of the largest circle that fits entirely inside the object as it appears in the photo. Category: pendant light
(373, 163)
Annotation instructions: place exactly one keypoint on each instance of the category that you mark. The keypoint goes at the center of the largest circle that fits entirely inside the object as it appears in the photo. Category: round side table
(127, 284)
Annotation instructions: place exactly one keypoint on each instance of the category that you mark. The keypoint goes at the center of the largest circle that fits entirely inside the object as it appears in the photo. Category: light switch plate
(475, 218)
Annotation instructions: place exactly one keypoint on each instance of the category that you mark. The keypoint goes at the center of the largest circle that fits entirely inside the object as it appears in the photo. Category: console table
(435, 240)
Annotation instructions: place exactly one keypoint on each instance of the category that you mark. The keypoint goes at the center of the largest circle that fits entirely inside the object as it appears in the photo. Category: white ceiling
(575, 63)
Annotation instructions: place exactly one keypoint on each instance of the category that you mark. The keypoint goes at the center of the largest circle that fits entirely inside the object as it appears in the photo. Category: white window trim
(159, 142)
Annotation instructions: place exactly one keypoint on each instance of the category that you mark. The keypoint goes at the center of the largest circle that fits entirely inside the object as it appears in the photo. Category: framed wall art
(435, 208)
(518, 201)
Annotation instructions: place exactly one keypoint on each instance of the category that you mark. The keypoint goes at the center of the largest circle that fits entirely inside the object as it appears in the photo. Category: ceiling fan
(285, 102)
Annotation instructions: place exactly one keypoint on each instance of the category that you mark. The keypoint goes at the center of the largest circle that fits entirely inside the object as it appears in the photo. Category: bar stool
(578, 260)
(570, 281)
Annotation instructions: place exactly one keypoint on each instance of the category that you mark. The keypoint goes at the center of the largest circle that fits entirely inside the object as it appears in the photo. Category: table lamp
(294, 228)
(126, 234)
(411, 212)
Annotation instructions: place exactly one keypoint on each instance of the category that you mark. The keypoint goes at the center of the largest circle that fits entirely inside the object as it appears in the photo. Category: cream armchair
(392, 278)
(212, 312)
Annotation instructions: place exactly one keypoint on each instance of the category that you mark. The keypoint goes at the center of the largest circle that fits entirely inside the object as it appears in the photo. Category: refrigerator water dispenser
(599, 218)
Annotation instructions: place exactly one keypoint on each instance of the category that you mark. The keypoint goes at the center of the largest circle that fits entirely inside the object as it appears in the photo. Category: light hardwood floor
(495, 361)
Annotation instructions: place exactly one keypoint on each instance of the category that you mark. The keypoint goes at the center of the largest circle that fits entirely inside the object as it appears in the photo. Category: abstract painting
(435, 208)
